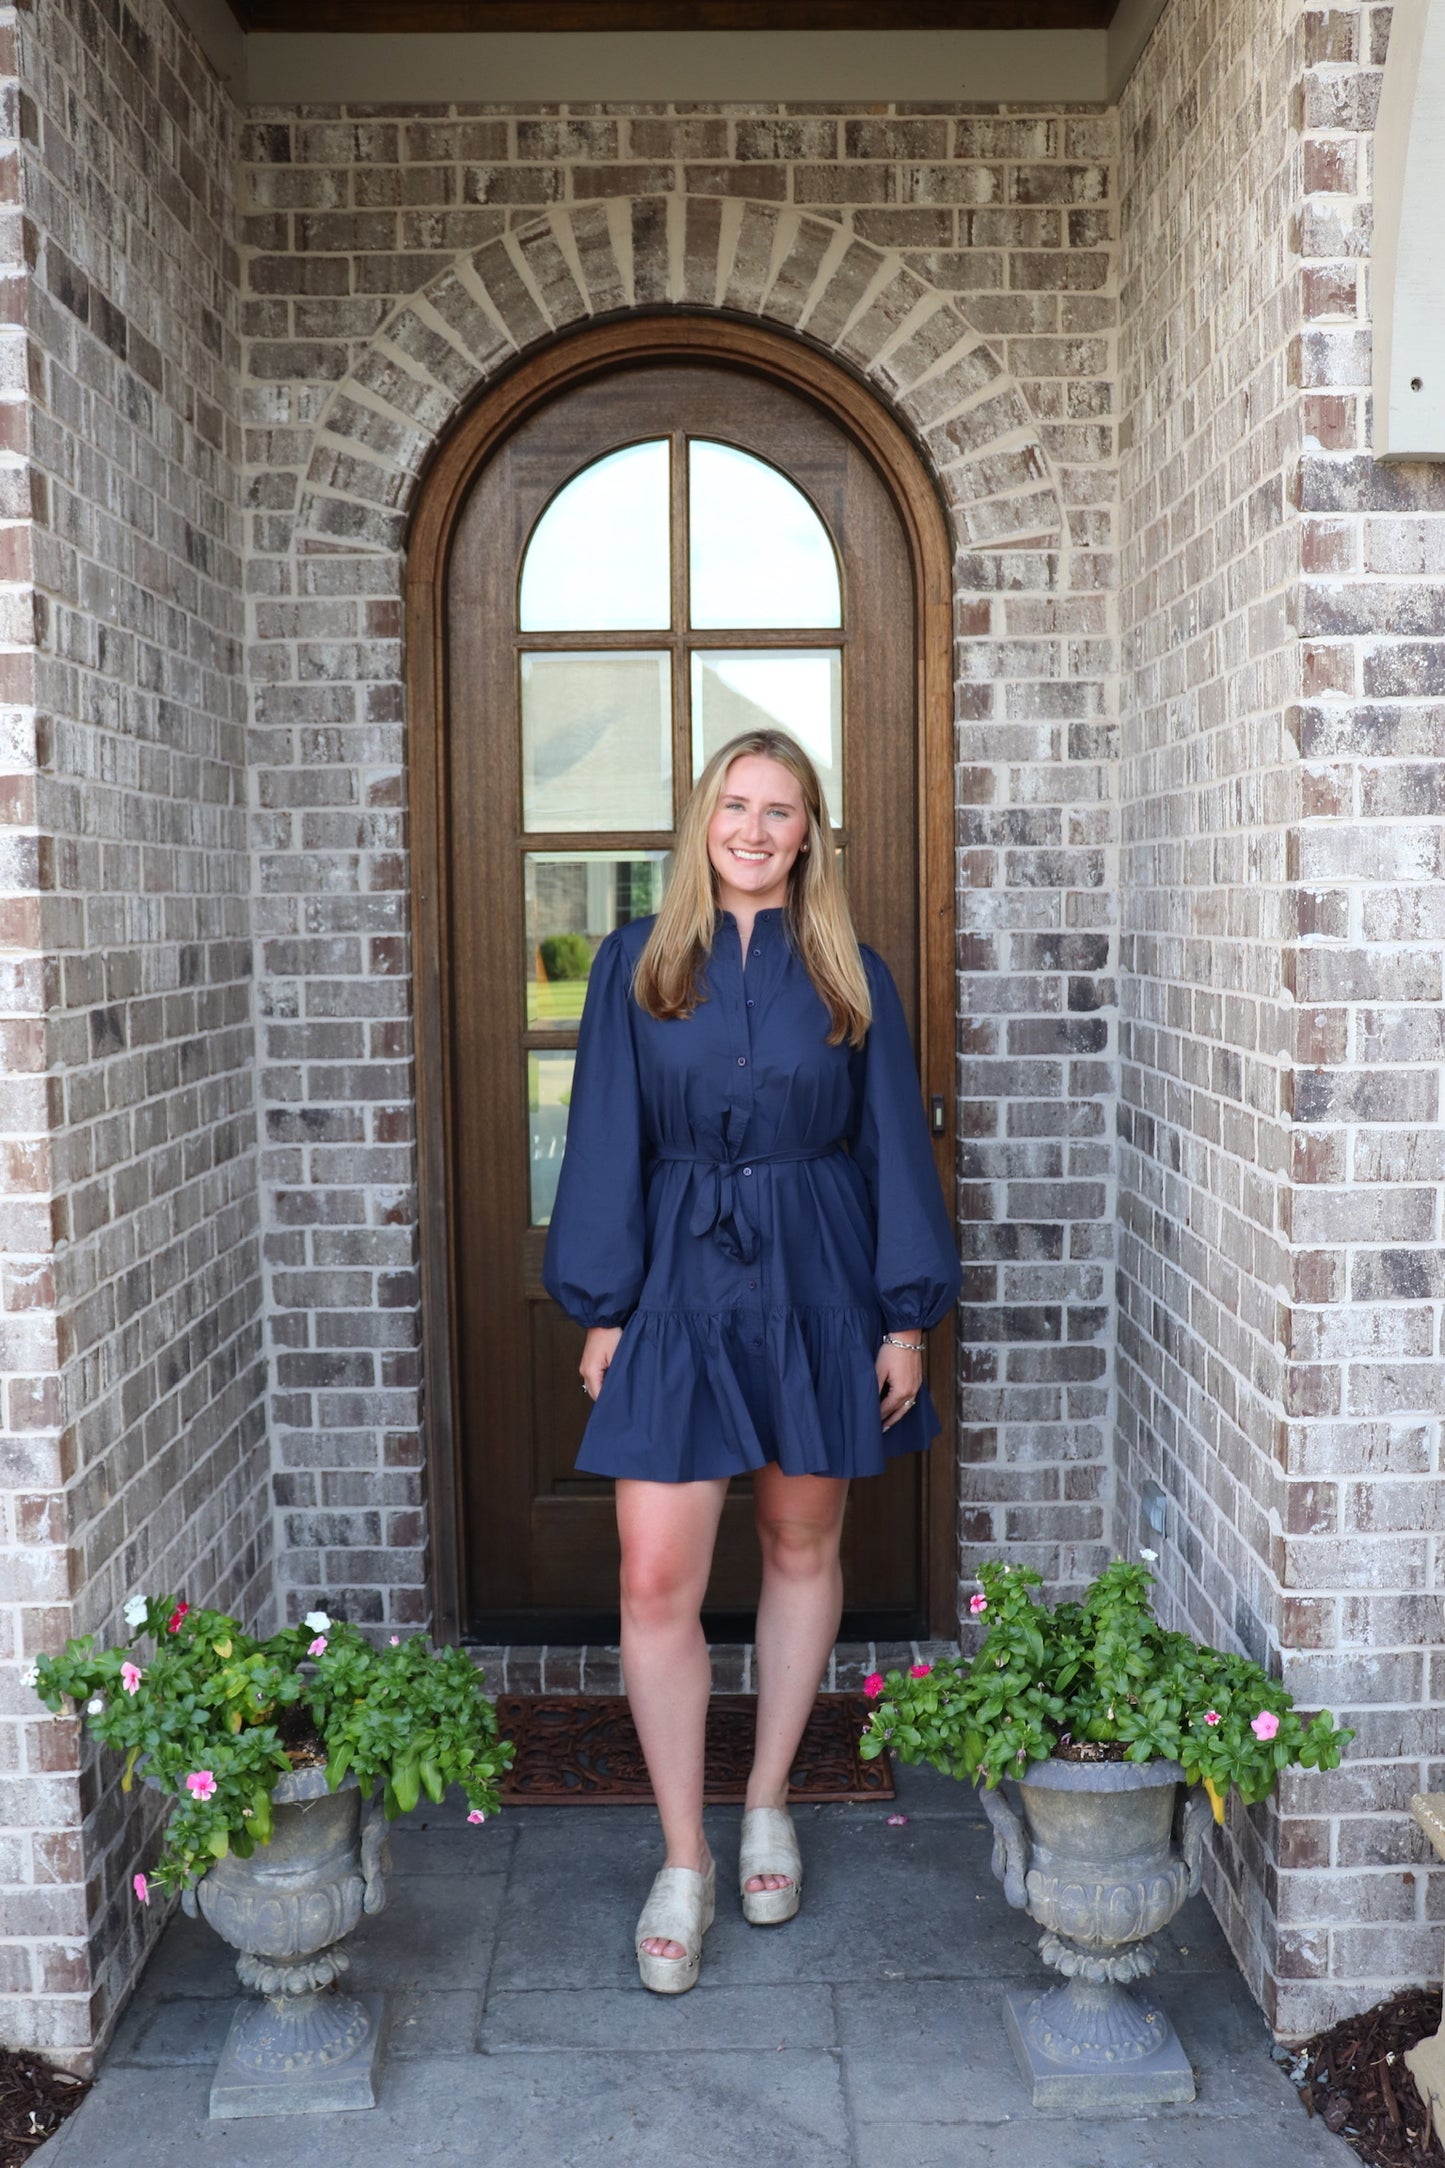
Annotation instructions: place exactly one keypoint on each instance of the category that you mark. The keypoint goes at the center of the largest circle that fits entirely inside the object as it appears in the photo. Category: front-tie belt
(719, 1209)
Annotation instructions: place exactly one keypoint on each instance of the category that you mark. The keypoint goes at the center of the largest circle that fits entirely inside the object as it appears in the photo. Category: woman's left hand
(900, 1379)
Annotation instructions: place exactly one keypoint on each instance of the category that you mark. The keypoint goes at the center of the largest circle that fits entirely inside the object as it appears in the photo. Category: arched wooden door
(630, 561)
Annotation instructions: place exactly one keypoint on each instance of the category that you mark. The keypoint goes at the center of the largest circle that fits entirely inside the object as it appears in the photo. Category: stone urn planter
(1102, 1856)
(305, 2045)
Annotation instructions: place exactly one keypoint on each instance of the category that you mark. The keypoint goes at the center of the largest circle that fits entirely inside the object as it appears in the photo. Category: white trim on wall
(1408, 280)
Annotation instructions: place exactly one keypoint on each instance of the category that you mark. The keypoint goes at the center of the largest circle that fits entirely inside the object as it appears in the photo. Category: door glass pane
(799, 691)
(599, 557)
(549, 1091)
(760, 555)
(596, 741)
(573, 899)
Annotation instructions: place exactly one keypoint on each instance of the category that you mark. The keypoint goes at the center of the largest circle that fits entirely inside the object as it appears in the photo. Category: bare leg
(667, 1532)
(800, 1524)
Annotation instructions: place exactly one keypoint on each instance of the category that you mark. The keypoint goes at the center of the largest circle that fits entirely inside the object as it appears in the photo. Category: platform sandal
(769, 1846)
(680, 1908)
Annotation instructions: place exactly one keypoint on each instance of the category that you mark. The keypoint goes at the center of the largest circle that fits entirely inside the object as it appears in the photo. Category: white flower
(136, 1608)
(96, 1705)
(30, 1676)
(317, 1621)
(1150, 1557)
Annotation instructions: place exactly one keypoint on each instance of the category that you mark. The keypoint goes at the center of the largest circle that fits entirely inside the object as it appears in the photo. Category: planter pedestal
(1102, 1856)
(305, 2048)
(1426, 2060)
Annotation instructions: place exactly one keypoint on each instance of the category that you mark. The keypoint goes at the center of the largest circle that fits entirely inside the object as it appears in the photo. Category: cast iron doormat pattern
(582, 1749)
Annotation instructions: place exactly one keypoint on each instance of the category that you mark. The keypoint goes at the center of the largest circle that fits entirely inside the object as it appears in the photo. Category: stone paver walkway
(865, 2034)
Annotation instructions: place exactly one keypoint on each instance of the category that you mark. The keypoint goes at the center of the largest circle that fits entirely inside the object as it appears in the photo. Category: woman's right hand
(598, 1350)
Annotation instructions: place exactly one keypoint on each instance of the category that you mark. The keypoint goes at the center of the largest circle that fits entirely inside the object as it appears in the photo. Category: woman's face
(756, 833)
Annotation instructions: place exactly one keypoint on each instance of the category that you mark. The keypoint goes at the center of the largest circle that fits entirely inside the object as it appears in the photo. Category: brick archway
(577, 264)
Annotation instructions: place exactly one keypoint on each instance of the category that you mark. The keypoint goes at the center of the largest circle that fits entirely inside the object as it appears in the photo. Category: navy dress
(755, 1208)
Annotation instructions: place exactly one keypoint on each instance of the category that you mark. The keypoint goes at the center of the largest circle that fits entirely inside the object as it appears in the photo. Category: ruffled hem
(692, 1395)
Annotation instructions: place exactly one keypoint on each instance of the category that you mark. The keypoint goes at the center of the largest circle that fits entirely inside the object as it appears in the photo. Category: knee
(798, 1550)
(657, 1589)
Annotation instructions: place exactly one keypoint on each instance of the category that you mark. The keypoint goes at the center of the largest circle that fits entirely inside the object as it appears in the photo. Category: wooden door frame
(570, 360)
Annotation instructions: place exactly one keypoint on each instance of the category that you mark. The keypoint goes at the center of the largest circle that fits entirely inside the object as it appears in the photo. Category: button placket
(751, 1296)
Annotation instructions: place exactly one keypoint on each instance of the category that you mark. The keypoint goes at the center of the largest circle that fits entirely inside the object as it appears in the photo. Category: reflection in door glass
(549, 1092)
(800, 691)
(573, 899)
(599, 557)
(596, 741)
(760, 555)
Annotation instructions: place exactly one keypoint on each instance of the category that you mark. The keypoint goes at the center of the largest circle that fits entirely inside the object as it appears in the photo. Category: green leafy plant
(214, 1717)
(565, 955)
(1098, 1679)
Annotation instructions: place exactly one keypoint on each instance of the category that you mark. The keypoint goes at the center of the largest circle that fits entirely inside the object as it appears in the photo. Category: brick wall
(132, 1305)
(1360, 1896)
(1281, 1161)
(394, 261)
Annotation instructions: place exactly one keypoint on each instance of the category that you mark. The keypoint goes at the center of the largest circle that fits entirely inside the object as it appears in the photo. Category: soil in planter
(34, 2102)
(1354, 2079)
(297, 1735)
(1090, 1750)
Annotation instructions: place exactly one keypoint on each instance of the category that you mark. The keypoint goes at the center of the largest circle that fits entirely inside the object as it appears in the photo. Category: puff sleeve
(596, 1244)
(916, 1268)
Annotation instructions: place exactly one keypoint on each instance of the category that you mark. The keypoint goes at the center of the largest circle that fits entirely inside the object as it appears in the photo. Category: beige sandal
(680, 1907)
(769, 1846)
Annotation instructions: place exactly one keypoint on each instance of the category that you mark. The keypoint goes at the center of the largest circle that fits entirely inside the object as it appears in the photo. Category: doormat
(582, 1749)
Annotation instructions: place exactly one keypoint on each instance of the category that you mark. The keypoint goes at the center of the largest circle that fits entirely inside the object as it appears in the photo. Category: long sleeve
(916, 1267)
(595, 1255)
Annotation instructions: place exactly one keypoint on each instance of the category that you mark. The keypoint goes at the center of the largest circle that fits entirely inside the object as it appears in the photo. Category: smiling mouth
(750, 858)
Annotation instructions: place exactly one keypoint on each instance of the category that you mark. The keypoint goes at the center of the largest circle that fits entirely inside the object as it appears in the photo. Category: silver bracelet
(914, 1347)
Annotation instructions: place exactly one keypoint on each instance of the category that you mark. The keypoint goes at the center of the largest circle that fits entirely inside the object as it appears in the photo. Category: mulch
(582, 1750)
(34, 2102)
(1354, 2079)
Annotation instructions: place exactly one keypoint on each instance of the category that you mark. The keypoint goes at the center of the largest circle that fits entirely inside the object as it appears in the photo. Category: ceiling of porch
(340, 52)
(537, 16)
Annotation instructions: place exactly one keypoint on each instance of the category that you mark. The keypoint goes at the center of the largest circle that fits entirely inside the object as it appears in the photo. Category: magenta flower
(173, 1623)
(1211, 1716)
(142, 1889)
(873, 1685)
(1265, 1725)
(476, 1815)
(201, 1784)
(130, 1677)
(897, 1821)
(317, 1647)
(919, 1671)
(977, 1605)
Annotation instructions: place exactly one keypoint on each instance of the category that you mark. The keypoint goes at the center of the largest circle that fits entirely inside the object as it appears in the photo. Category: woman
(749, 1225)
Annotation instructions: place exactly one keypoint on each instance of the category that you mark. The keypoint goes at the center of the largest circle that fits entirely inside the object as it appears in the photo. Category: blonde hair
(818, 920)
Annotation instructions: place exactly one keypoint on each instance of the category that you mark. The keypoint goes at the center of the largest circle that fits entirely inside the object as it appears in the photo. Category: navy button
(757, 952)
(742, 1061)
(752, 1283)
(747, 1170)
(749, 1004)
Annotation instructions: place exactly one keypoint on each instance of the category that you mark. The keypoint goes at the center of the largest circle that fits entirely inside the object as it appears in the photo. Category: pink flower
(1265, 1725)
(317, 1647)
(173, 1623)
(394, 1641)
(919, 1671)
(130, 1677)
(977, 1605)
(1211, 1716)
(873, 1685)
(142, 1889)
(476, 1815)
(201, 1784)
(897, 1821)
